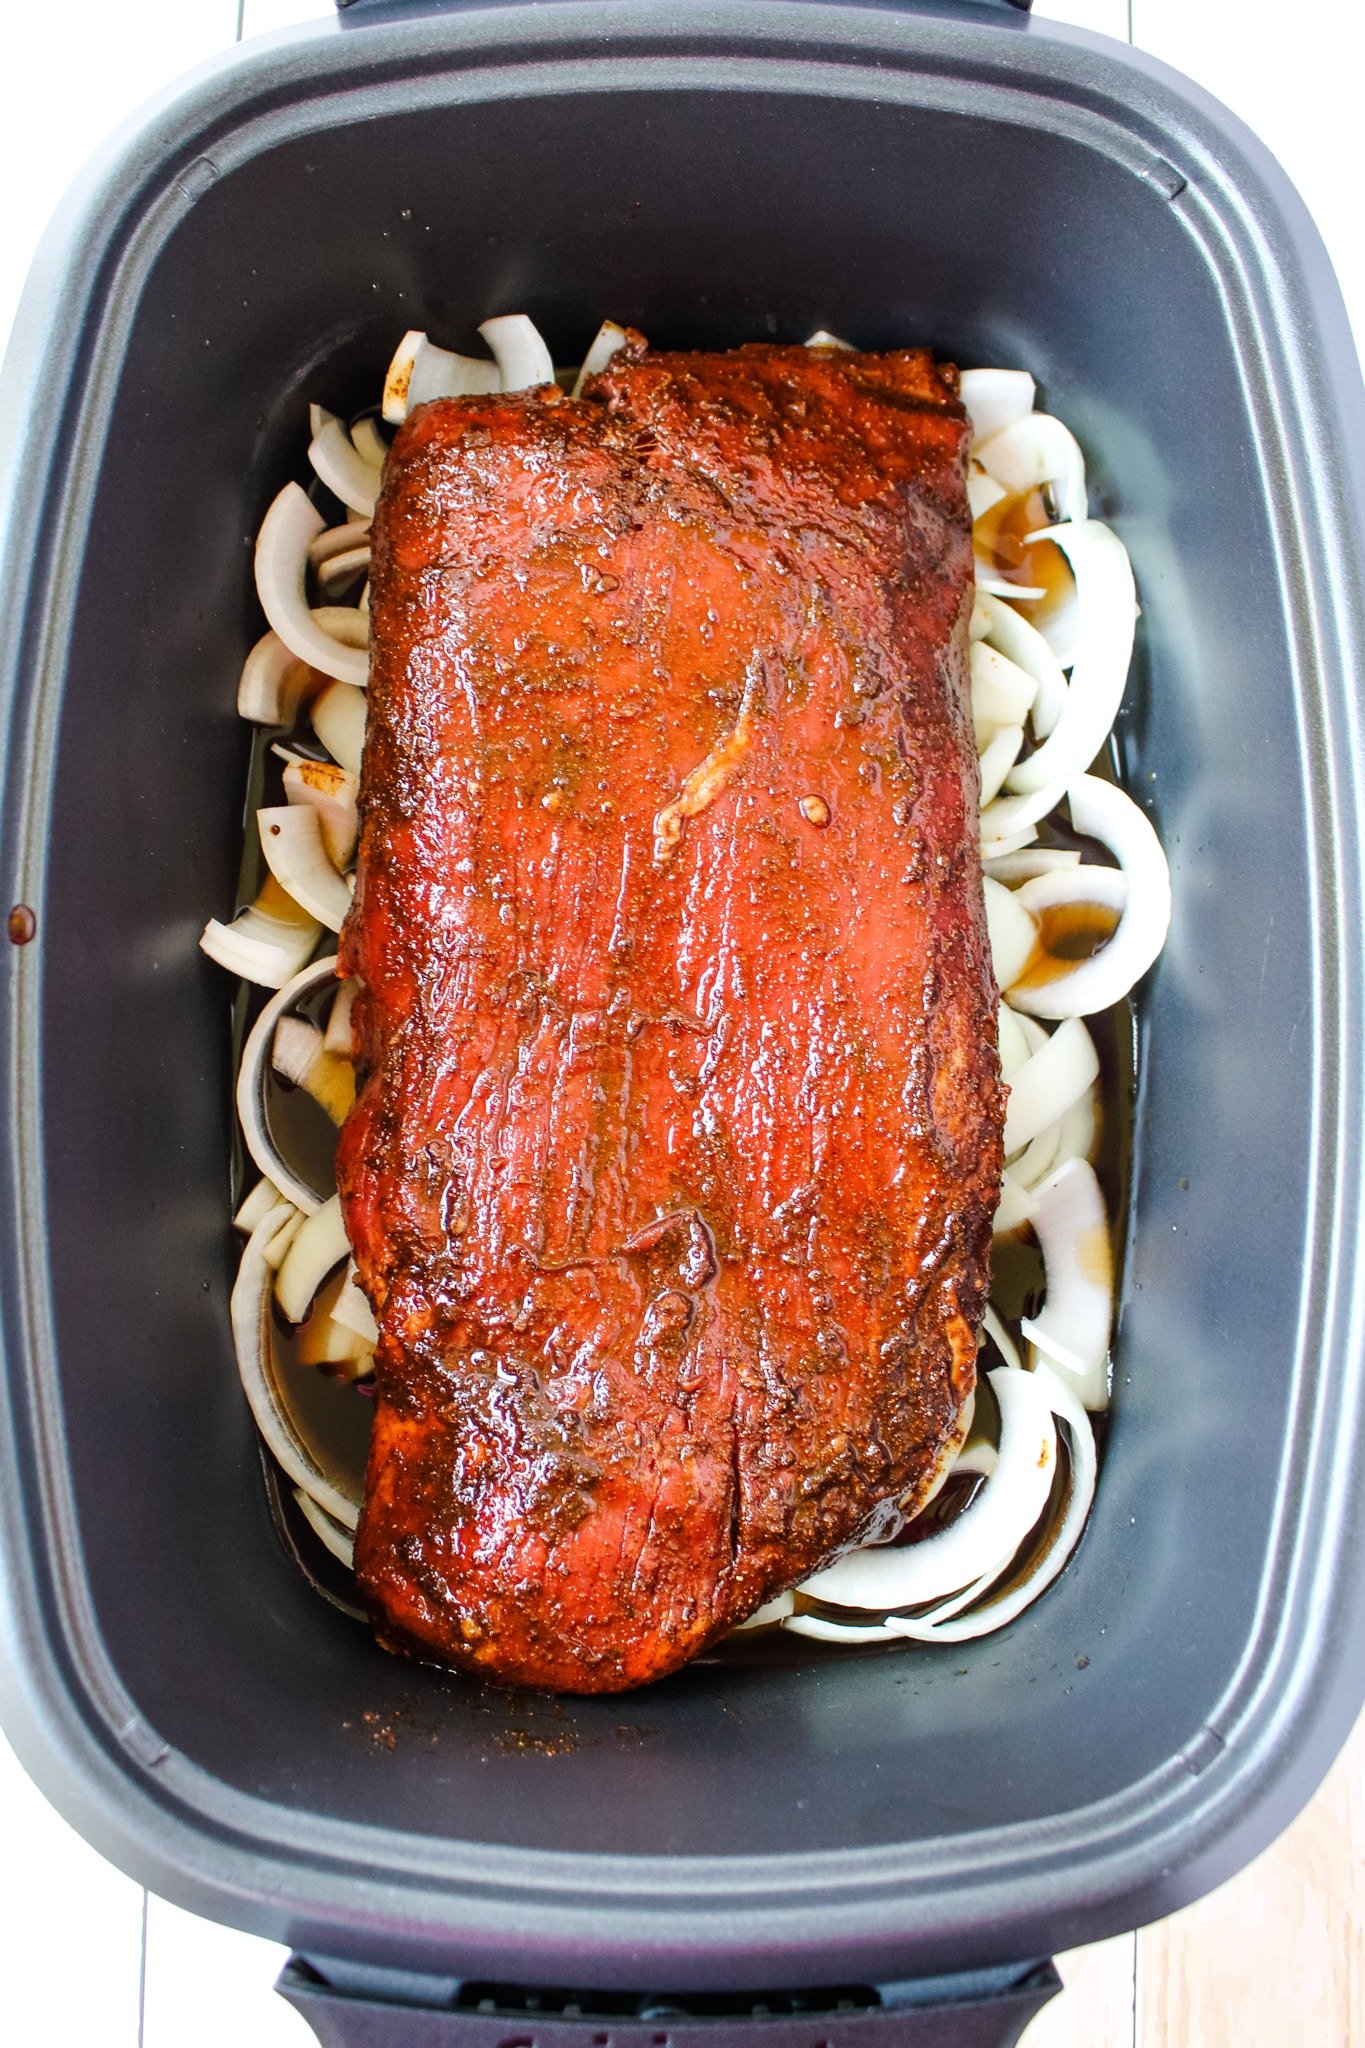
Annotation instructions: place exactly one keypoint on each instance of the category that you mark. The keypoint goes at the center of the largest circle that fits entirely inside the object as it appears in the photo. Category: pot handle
(348, 2006)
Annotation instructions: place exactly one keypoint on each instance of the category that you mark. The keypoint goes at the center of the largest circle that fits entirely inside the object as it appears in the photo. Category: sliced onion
(1072, 1229)
(982, 492)
(337, 1036)
(1002, 1340)
(253, 1337)
(331, 791)
(1106, 610)
(274, 1251)
(321, 1340)
(603, 346)
(338, 540)
(1047, 1084)
(260, 945)
(339, 570)
(1080, 1128)
(1014, 842)
(991, 585)
(979, 625)
(263, 1197)
(281, 585)
(1014, 1207)
(353, 1311)
(339, 464)
(1013, 933)
(345, 624)
(300, 1057)
(251, 1085)
(1002, 692)
(1029, 863)
(524, 362)
(338, 717)
(998, 758)
(994, 1614)
(996, 399)
(771, 1611)
(369, 442)
(291, 840)
(420, 371)
(983, 1538)
(272, 683)
(329, 1533)
(1007, 630)
(821, 1631)
(1100, 811)
(1014, 1046)
(1009, 815)
(320, 1246)
(822, 338)
(1037, 449)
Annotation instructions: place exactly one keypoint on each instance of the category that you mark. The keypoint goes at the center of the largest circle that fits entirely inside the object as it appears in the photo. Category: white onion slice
(344, 623)
(1014, 1207)
(998, 758)
(1106, 611)
(299, 1055)
(338, 717)
(420, 371)
(273, 1252)
(329, 1533)
(1080, 1128)
(260, 946)
(338, 540)
(995, 1614)
(1023, 644)
(982, 492)
(331, 791)
(1072, 1229)
(291, 840)
(524, 362)
(1014, 1046)
(338, 570)
(251, 1085)
(253, 1339)
(1102, 812)
(320, 1246)
(1002, 692)
(281, 571)
(272, 682)
(1037, 449)
(353, 1311)
(337, 1036)
(993, 849)
(996, 399)
(1030, 862)
(1008, 815)
(983, 1538)
(603, 346)
(1004, 1344)
(369, 442)
(263, 1197)
(771, 1611)
(339, 464)
(992, 585)
(1013, 933)
(1047, 1084)
(821, 1631)
(822, 338)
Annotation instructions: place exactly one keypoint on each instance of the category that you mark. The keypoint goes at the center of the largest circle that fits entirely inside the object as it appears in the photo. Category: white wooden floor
(1274, 1960)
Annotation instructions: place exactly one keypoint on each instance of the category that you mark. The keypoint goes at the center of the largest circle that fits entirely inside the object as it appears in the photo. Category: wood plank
(1276, 1956)
(1095, 2008)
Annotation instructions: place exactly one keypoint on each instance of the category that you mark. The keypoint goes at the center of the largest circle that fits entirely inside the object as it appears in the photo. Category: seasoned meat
(671, 1173)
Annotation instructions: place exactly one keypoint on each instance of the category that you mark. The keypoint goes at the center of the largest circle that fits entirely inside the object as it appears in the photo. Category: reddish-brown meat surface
(673, 1164)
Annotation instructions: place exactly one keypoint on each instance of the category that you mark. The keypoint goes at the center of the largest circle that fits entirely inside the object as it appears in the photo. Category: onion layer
(1037, 449)
(524, 362)
(1045, 1087)
(253, 1339)
(420, 371)
(1102, 812)
(291, 840)
(996, 399)
(1106, 610)
(281, 585)
(603, 346)
(251, 1085)
(1072, 1229)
